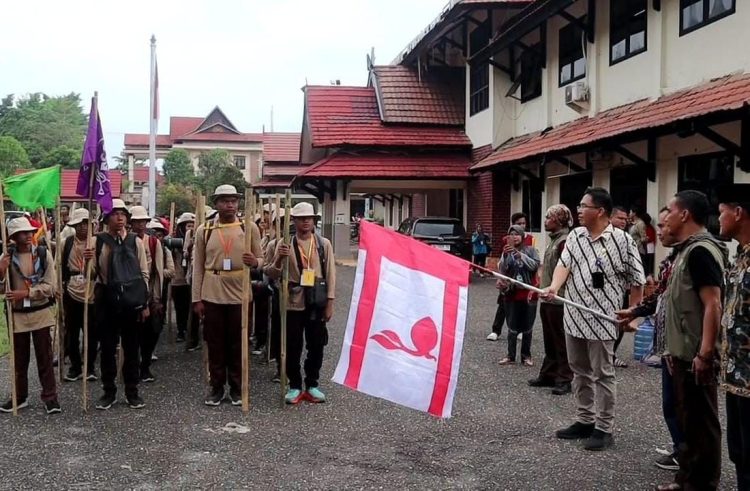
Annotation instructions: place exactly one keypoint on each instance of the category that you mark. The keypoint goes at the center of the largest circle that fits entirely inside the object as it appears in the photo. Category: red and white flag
(406, 322)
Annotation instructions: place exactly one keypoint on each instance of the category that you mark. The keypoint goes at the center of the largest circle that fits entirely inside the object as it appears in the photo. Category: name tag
(77, 278)
(26, 302)
(308, 277)
(184, 263)
(227, 264)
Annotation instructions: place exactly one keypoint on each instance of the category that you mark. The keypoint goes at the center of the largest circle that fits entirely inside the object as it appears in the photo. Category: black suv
(446, 234)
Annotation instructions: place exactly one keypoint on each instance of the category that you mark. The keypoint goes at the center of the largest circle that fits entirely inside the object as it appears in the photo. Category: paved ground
(501, 435)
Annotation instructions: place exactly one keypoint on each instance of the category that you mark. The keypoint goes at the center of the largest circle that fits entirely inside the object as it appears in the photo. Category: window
(239, 161)
(627, 29)
(706, 173)
(456, 203)
(532, 203)
(479, 76)
(572, 188)
(572, 53)
(528, 74)
(695, 14)
(627, 186)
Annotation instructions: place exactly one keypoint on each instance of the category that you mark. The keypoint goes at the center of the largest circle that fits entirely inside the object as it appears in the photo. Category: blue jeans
(668, 407)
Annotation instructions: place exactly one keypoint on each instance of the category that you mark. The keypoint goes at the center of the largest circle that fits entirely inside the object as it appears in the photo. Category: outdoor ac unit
(577, 95)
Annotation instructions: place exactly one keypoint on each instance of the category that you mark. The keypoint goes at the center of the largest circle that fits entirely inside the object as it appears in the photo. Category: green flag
(35, 189)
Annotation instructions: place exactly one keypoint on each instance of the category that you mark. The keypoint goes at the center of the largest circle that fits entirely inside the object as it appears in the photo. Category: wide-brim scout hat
(281, 212)
(303, 210)
(156, 225)
(118, 204)
(139, 213)
(20, 224)
(79, 215)
(225, 190)
(185, 218)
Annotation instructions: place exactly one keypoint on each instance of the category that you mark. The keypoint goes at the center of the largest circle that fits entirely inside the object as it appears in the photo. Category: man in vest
(312, 273)
(118, 323)
(555, 371)
(734, 219)
(692, 318)
(31, 291)
(218, 258)
(74, 296)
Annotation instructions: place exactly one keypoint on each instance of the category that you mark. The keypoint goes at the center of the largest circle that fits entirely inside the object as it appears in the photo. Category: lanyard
(225, 244)
(306, 259)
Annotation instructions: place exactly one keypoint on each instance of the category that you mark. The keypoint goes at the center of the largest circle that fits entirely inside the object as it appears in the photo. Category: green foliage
(67, 157)
(42, 123)
(12, 155)
(216, 168)
(178, 168)
(183, 197)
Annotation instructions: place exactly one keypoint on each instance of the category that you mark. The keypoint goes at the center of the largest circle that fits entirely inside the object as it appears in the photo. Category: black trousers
(497, 323)
(521, 316)
(738, 438)
(117, 327)
(223, 333)
(275, 332)
(149, 338)
(74, 311)
(698, 414)
(555, 366)
(315, 335)
(261, 297)
(182, 306)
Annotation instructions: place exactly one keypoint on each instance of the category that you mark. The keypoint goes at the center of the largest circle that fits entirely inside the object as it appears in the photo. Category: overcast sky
(242, 55)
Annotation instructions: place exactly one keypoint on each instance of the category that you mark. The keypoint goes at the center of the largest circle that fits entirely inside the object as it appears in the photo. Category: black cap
(734, 193)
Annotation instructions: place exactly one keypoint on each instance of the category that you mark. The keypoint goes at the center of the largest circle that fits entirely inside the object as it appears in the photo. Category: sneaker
(180, 338)
(147, 376)
(154, 358)
(506, 361)
(668, 463)
(91, 377)
(235, 397)
(540, 382)
(294, 396)
(259, 350)
(105, 401)
(575, 431)
(314, 394)
(52, 407)
(598, 441)
(193, 347)
(135, 402)
(492, 336)
(214, 397)
(72, 375)
(528, 362)
(276, 378)
(8, 406)
(562, 389)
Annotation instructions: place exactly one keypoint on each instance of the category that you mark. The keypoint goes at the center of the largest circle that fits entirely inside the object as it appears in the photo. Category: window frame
(532, 190)
(533, 57)
(703, 161)
(479, 76)
(627, 26)
(571, 62)
(707, 19)
(244, 160)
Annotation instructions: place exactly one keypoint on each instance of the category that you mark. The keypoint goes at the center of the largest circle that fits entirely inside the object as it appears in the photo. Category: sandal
(618, 363)
(672, 486)
(506, 361)
(528, 362)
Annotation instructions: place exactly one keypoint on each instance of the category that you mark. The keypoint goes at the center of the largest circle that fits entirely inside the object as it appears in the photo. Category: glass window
(532, 204)
(479, 76)
(572, 57)
(239, 161)
(698, 13)
(528, 73)
(438, 228)
(627, 28)
(705, 173)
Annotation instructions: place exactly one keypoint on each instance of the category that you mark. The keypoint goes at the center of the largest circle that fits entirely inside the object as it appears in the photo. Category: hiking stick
(87, 297)
(270, 298)
(170, 327)
(9, 309)
(249, 215)
(53, 334)
(200, 219)
(285, 296)
(60, 317)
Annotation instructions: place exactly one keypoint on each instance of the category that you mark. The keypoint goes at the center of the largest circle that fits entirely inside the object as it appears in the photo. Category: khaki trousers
(594, 386)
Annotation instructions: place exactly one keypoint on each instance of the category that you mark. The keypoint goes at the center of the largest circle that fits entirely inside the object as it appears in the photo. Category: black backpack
(125, 288)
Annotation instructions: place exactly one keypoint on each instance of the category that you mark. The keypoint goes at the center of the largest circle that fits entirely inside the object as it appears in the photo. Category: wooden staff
(200, 219)
(249, 215)
(277, 238)
(269, 319)
(9, 310)
(170, 327)
(55, 334)
(285, 295)
(60, 318)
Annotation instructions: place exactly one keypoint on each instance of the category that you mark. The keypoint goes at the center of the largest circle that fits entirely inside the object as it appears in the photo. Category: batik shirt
(735, 328)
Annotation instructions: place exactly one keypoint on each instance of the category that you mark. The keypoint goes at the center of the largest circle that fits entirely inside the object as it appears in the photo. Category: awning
(390, 165)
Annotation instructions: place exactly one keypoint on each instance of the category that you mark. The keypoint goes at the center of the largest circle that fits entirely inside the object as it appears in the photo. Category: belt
(36, 308)
(221, 272)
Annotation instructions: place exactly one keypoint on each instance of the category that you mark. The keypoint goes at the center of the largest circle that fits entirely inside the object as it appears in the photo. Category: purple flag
(94, 159)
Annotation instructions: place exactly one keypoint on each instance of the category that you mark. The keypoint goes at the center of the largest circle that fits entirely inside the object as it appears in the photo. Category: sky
(243, 56)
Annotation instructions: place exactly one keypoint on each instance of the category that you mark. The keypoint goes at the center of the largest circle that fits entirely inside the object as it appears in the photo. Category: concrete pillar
(131, 171)
(341, 222)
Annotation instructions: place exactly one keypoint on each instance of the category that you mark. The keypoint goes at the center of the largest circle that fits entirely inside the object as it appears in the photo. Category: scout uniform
(180, 286)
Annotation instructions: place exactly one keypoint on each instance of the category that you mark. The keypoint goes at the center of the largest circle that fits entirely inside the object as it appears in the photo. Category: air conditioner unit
(577, 95)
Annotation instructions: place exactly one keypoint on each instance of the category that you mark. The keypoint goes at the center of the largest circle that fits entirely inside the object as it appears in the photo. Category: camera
(174, 243)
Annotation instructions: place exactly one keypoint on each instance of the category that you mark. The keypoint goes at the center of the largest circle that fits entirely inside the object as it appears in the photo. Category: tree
(178, 168)
(63, 155)
(42, 123)
(183, 198)
(12, 156)
(216, 168)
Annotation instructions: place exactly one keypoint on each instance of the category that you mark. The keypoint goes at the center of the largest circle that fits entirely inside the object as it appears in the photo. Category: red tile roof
(222, 137)
(140, 140)
(339, 116)
(179, 125)
(69, 181)
(391, 165)
(724, 94)
(273, 169)
(433, 98)
(274, 183)
(281, 147)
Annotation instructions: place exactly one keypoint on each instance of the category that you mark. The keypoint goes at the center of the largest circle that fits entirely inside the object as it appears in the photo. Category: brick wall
(489, 204)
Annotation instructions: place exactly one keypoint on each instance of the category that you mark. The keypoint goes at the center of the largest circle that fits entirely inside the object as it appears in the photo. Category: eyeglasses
(587, 207)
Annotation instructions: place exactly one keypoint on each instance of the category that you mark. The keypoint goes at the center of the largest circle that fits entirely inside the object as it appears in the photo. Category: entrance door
(571, 191)
(705, 173)
(627, 185)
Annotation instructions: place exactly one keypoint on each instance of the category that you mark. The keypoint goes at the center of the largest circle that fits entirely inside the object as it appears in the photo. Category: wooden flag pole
(249, 215)
(285, 296)
(168, 306)
(60, 317)
(270, 298)
(9, 309)
(277, 238)
(200, 219)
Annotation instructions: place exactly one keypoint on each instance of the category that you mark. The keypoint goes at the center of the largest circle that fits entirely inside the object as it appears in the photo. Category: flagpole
(284, 296)
(152, 134)
(9, 309)
(168, 304)
(60, 318)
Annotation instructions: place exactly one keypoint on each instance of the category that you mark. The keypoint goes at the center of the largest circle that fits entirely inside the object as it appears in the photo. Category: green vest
(684, 309)
(551, 257)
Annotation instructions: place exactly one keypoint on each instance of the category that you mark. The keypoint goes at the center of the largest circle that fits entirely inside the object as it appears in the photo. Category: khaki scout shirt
(162, 271)
(76, 286)
(296, 294)
(226, 241)
(103, 265)
(39, 294)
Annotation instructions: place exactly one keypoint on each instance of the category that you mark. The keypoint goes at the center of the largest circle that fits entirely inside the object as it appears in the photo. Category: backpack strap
(321, 254)
(101, 239)
(67, 249)
(209, 227)
(41, 254)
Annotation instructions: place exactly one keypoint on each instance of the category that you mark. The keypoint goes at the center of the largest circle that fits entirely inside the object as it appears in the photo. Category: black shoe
(668, 463)
(214, 397)
(147, 376)
(235, 397)
(91, 377)
(598, 441)
(180, 338)
(193, 347)
(575, 431)
(52, 407)
(260, 350)
(8, 406)
(562, 389)
(135, 402)
(276, 378)
(105, 401)
(72, 375)
(540, 382)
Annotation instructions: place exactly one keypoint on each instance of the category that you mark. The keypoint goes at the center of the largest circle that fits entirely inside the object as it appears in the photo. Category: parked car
(446, 234)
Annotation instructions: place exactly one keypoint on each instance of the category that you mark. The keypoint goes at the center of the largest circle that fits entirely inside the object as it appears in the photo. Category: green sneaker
(293, 396)
(314, 394)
